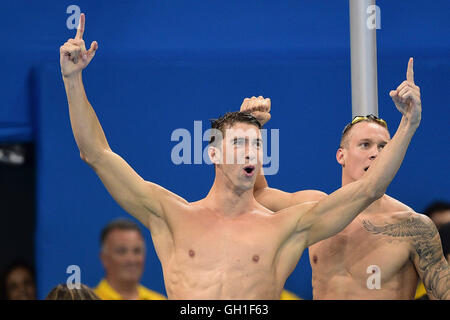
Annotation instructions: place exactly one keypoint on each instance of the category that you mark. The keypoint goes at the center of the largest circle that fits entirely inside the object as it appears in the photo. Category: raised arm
(135, 195)
(87, 131)
(336, 211)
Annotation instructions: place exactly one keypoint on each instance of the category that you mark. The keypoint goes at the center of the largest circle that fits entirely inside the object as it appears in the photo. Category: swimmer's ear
(214, 155)
(340, 156)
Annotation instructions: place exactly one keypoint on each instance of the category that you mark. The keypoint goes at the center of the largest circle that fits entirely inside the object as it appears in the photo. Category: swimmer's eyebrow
(371, 141)
(246, 139)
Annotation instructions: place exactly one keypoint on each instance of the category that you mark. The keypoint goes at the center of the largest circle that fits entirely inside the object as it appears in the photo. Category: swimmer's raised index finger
(410, 71)
(80, 29)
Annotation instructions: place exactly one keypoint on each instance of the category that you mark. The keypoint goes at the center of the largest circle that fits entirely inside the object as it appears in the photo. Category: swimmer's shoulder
(393, 205)
(400, 211)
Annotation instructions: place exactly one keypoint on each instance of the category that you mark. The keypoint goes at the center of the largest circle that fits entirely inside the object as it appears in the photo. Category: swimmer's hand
(73, 54)
(257, 107)
(407, 97)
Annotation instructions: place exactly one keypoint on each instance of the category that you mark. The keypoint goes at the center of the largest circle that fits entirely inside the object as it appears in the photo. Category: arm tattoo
(411, 227)
(422, 234)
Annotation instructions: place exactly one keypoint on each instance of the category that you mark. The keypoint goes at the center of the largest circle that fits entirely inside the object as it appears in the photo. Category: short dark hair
(15, 264)
(119, 224)
(228, 120)
(436, 206)
(63, 292)
(349, 126)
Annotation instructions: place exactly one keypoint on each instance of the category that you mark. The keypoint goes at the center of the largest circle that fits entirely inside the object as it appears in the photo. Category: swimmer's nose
(374, 153)
(250, 158)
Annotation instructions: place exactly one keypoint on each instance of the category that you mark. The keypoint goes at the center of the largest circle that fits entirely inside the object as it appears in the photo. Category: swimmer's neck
(228, 200)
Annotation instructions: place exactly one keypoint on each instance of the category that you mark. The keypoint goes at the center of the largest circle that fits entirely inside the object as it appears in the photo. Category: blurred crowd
(122, 256)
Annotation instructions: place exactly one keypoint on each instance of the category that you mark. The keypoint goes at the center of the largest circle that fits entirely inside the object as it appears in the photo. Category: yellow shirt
(105, 292)
(287, 295)
(421, 291)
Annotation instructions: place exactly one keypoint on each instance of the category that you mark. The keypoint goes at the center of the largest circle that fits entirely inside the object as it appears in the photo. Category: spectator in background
(439, 212)
(288, 295)
(123, 255)
(62, 292)
(18, 282)
(444, 232)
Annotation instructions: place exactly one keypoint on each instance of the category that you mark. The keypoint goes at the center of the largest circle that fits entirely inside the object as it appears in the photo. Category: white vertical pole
(363, 48)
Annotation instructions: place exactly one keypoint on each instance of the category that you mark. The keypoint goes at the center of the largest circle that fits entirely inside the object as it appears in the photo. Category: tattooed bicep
(421, 233)
(431, 264)
(411, 227)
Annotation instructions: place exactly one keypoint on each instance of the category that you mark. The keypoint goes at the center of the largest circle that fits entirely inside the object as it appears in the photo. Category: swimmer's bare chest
(359, 264)
(216, 257)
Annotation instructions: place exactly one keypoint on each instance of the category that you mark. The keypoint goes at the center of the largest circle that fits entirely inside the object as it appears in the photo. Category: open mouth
(249, 170)
(365, 169)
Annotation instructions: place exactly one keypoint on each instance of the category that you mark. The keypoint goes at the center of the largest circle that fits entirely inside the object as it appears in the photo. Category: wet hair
(16, 264)
(119, 224)
(228, 120)
(62, 292)
(436, 206)
(348, 127)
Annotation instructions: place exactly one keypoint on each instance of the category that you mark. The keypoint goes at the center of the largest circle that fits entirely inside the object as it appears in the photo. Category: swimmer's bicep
(299, 217)
(161, 201)
(337, 210)
(428, 257)
(436, 279)
(135, 195)
(331, 213)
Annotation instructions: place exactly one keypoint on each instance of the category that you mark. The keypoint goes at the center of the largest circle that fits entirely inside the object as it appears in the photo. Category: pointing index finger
(410, 71)
(80, 29)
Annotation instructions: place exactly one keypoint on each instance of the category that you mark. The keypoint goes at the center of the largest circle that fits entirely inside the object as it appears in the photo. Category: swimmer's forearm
(336, 211)
(386, 165)
(86, 128)
(407, 100)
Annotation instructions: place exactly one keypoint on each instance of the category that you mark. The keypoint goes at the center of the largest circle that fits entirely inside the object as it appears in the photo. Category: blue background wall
(163, 64)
